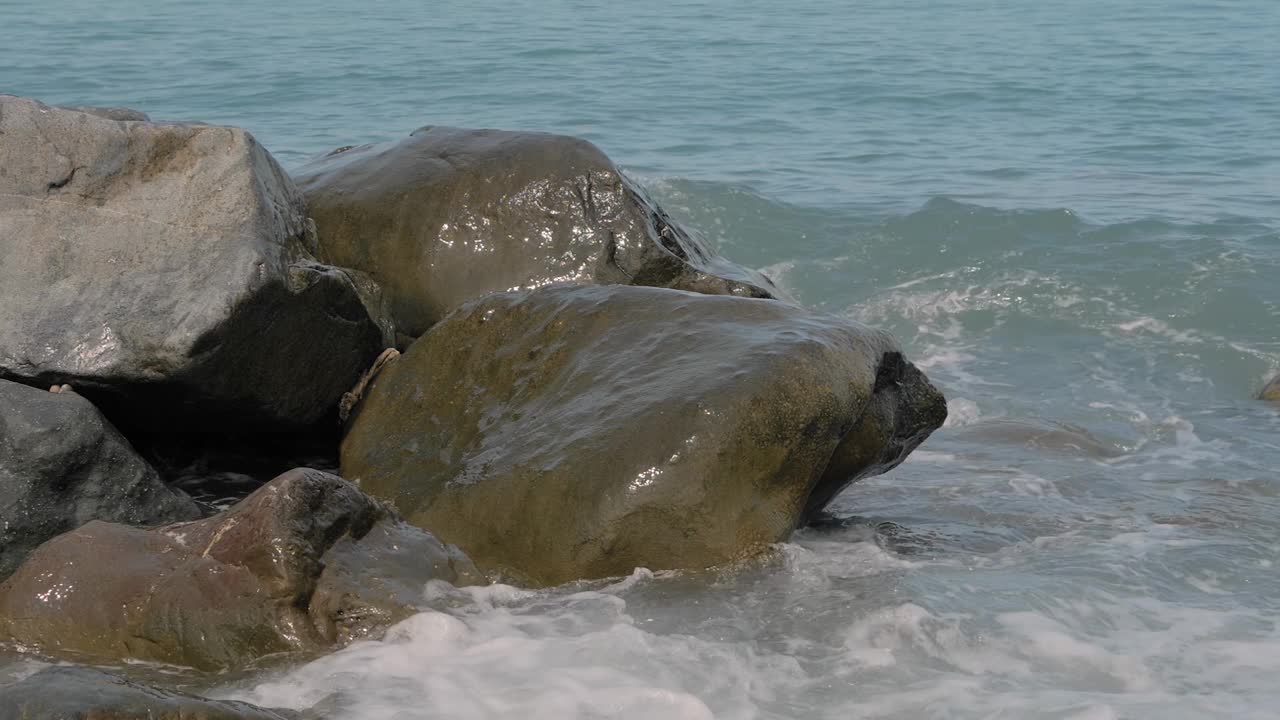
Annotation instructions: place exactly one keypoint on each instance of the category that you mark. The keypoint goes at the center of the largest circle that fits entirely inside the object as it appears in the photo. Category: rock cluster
(585, 387)
(281, 571)
(62, 464)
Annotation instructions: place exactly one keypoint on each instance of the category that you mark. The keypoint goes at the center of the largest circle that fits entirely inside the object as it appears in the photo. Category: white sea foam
(961, 412)
(583, 657)
(837, 630)
(1159, 327)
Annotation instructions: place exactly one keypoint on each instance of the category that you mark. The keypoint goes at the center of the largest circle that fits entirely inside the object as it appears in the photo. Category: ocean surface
(1068, 213)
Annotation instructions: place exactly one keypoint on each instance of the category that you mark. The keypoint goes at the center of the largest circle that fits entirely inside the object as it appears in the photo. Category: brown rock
(1272, 391)
(448, 215)
(220, 592)
(578, 432)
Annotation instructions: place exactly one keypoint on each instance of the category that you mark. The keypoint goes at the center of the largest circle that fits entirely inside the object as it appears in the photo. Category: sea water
(1069, 215)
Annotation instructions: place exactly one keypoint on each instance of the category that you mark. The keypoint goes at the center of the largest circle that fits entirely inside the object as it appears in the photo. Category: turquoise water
(1068, 213)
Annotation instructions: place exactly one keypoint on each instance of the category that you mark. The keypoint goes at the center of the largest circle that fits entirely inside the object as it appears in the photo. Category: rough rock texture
(163, 271)
(61, 465)
(80, 693)
(122, 114)
(448, 215)
(1272, 390)
(217, 593)
(575, 432)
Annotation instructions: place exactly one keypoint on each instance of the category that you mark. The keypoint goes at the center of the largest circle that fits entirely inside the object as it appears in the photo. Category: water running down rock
(580, 432)
(448, 215)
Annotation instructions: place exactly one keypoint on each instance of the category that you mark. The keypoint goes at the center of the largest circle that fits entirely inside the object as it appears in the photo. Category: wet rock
(81, 693)
(1042, 435)
(373, 583)
(448, 215)
(220, 592)
(1272, 391)
(578, 432)
(164, 271)
(61, 465)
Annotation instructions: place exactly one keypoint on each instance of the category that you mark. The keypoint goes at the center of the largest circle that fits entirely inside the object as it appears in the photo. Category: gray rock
(80, 693)
(163, 270)
(287, 569)
(374, 582)
(61, 465)
(579, 432)
(448, 215)
(121, 114)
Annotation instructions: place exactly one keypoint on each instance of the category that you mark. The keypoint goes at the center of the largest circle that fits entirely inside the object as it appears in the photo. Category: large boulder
(164, 270)
(65, 692)
(284, 570)
(448, 215)
(578, 432)
(61, 465)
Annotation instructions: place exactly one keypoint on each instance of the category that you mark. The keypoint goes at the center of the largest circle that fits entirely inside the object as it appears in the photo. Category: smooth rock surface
(61, 465)
(448, 215)
(221, 592)
(81, 693)
(164, 271)
(577, 432)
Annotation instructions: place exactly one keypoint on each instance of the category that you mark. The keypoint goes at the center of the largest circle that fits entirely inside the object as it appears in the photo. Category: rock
(79, 693)
(61, 465)
(111, 113)
(580, 432)
(1272, 391)
(378, 581)
(164, 271)
(220, 592)
(448, 215)
(1041, 435)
